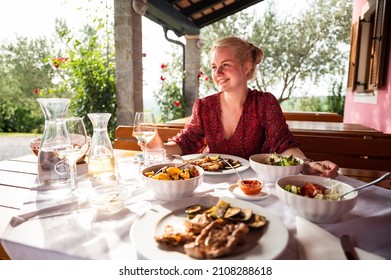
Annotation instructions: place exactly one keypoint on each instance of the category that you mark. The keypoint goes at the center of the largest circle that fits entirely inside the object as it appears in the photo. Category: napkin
(316, 243)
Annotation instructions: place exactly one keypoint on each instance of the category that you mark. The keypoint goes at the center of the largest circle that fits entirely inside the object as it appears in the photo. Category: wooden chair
(125, 140)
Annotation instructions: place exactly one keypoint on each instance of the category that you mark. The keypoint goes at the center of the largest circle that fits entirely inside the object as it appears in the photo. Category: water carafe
(52, 170)
(101, 164)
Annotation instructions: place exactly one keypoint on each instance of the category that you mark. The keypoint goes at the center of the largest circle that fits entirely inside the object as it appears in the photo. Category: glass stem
(73, 179)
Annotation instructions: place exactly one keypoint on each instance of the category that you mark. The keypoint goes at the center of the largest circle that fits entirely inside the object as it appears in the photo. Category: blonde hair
(243, 51)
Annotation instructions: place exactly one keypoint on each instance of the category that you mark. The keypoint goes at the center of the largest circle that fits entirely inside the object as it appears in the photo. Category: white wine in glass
(144, 127)
(71, 147)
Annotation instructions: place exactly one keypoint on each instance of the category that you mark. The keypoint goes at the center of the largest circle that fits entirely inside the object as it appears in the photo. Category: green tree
(24, 71)
(89, 72)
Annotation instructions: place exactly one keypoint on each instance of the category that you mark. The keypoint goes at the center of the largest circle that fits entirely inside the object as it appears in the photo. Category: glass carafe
(52, 170)
(101, 156)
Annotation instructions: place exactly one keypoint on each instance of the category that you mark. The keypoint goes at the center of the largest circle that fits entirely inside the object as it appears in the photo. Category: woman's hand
(156, 142)
(321, 168)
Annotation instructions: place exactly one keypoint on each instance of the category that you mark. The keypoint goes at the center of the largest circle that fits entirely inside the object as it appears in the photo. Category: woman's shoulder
(210, 98)
(263, 96)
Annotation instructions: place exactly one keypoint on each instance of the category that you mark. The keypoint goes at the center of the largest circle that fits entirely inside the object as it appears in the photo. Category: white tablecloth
(87, 235)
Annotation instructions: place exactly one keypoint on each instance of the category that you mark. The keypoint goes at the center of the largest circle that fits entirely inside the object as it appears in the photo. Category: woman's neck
(236, 98)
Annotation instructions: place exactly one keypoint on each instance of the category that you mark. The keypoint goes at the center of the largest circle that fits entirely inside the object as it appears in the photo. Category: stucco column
(192, 68)
(128, 59)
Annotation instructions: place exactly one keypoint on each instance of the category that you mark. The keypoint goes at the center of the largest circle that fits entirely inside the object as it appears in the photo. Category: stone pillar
(192, 68)
(128, 59)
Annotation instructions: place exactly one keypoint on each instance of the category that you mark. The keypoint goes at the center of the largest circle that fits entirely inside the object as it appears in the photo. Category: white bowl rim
(308, 178)
(156, 167)
(266, 155)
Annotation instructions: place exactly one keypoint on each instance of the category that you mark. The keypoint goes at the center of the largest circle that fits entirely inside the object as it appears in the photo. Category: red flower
(162, 78)
(200, 74)
(36, 91)
(58, 61)
(206, 78)
(176, 103)
(163, 65)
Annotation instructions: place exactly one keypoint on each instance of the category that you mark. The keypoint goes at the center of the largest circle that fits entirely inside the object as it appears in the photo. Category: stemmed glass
(144, 127)
(70, 147)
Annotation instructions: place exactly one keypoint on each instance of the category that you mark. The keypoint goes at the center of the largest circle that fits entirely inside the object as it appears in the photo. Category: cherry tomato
(311, 190)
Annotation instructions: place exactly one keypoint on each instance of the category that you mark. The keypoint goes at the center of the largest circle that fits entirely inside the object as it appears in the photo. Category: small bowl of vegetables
(170, 182)
(270, 167)
(315, 198)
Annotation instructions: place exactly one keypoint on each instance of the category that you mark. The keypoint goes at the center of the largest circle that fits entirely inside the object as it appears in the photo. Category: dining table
(81, 232)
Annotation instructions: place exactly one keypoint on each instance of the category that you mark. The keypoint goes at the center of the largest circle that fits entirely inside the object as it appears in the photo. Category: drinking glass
(70, 147)
(144, 127)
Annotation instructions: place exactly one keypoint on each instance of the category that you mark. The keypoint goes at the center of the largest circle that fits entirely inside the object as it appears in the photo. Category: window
(368, 53)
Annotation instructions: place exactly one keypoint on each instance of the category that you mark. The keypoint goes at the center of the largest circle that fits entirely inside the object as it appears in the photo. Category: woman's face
(228, 73)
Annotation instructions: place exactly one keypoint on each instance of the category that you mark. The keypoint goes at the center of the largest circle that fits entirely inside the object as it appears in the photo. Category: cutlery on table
(51, 210)
(348, 247)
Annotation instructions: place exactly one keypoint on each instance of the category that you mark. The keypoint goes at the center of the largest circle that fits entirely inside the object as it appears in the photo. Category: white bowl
(270, 173)
(172, 189)
(312, 209)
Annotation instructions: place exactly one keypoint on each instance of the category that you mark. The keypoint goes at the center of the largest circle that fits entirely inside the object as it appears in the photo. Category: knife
(348, 247)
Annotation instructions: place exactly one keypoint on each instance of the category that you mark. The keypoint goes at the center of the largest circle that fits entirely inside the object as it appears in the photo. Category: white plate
(270, 245)
(265, 193)
(245, 164)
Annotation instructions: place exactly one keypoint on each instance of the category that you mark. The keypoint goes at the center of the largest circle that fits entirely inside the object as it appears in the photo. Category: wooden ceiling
(187, 17)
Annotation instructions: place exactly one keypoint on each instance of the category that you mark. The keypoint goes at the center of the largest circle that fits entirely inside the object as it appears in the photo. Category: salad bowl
(270, 167)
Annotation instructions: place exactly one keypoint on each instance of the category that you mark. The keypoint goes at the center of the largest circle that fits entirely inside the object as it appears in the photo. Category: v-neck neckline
(221, 127)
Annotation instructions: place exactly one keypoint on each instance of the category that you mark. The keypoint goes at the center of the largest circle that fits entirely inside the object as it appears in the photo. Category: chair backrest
(348, 152)
(125, 140)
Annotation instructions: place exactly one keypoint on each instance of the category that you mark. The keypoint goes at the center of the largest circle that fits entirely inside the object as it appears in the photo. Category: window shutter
(380, 33)
(353, 63)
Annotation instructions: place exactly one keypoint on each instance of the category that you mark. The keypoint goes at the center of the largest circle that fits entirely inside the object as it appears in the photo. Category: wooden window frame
(368, 50)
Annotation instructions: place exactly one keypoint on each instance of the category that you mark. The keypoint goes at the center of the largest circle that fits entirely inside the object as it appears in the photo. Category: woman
(236, 120)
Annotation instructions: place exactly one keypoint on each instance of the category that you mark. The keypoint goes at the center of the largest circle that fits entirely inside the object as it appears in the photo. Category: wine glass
(144, 127)
(70, 147)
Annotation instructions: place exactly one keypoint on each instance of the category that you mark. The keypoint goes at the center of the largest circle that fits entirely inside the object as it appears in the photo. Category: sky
(36, 18)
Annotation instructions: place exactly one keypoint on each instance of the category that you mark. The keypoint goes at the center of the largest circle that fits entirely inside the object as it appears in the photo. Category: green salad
(279, 160)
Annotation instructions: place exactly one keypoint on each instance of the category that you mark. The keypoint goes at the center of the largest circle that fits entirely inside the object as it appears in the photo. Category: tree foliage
(24, 69)
(89, 73)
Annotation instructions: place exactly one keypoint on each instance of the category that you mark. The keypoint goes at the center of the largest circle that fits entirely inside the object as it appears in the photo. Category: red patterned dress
(262, 128)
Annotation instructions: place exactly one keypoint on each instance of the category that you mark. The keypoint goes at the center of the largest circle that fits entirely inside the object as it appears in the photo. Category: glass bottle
(52, 171)
(101, 164)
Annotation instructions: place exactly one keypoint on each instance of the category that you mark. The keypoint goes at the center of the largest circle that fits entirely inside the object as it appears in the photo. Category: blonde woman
(237, 120)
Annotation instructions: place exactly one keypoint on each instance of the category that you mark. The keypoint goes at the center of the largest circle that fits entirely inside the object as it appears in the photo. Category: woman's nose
(219, 70)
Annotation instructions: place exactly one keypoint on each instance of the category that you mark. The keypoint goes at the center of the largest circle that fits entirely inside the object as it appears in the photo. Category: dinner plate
(245, 164)
(236, 191)
(268, 243)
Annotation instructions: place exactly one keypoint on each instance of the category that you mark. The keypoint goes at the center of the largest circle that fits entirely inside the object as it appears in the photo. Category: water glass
(154, 156)
(127, 171)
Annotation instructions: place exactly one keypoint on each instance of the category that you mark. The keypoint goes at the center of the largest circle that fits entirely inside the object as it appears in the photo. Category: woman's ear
(247, 67)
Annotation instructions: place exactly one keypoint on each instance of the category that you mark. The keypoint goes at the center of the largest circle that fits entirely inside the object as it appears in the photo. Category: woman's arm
(323, 168)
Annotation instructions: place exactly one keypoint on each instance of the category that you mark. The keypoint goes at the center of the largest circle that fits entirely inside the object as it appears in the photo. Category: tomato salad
(314, 191)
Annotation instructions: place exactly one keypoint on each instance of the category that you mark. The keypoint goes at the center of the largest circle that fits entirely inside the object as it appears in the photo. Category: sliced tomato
(311, 190)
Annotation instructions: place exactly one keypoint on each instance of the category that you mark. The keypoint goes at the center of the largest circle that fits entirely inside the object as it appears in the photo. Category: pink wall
(377, 116)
